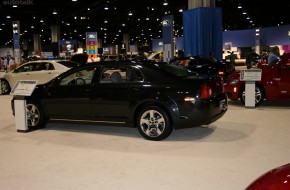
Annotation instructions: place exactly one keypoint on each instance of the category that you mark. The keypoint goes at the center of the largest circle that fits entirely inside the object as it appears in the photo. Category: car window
(69, 64)
(25, 68)
(40, 66)
(81, 77)
(120, 74)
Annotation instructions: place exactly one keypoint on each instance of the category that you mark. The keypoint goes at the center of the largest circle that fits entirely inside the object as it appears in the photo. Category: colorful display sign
(92, 43)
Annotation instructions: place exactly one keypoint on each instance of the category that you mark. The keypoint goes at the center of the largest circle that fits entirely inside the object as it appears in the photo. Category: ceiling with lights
(112, 18)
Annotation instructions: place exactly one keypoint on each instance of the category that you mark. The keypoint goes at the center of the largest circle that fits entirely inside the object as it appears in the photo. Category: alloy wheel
(33, 115)
(152, 123)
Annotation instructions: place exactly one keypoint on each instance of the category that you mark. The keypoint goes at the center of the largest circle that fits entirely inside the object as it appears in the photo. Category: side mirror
(55, 82)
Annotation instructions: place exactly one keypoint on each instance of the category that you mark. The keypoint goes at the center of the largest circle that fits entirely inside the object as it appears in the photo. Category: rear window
(69, 64)
(175, 70)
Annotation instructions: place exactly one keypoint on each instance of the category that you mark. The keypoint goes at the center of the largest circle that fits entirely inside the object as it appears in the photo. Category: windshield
(176, 70)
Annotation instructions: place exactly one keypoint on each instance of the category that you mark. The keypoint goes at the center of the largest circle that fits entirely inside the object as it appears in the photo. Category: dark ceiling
(75, 17)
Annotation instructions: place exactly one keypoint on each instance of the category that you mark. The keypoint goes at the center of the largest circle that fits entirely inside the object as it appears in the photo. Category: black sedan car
(153, 97)
(206, 66)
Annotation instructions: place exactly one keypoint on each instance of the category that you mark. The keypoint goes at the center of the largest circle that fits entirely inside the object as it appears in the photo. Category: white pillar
(200, 3)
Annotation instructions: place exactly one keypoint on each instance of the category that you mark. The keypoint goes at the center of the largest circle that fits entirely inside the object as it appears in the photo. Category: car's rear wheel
(5, 87)
(35, 116)
(259, 95)
(153, 123)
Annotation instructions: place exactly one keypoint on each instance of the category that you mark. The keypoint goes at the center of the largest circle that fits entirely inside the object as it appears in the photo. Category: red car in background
(274, 86)
(275, 179)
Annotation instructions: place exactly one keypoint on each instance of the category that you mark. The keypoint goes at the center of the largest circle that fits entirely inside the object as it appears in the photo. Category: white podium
(22, 89)
(20, 114)
(250, 76)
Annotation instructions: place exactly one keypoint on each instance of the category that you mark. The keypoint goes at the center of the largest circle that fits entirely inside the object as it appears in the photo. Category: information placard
(251, 75)
(24, 87)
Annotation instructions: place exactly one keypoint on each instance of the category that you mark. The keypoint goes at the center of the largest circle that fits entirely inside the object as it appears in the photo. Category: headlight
(234, 81)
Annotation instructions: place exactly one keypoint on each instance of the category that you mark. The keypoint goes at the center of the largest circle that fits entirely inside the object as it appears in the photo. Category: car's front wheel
(153, 123)
(35, 116)
(5, 87)
(259, 95)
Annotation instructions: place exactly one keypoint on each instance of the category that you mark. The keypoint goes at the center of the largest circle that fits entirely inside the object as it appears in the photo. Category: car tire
(153, 123)
(36, 118)
(5, 87)
(259, 95)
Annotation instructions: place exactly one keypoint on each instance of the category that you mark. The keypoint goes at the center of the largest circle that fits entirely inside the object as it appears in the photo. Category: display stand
(250, 94)
(20, 114)
(20, 91)
(250, 76)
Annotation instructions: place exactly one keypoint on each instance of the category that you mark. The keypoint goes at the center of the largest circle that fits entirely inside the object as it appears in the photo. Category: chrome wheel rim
(258, 95)
(4, 87)
(152, 123)
(33, 115)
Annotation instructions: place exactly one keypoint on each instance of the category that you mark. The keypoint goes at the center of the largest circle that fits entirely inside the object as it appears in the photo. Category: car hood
(275, 179)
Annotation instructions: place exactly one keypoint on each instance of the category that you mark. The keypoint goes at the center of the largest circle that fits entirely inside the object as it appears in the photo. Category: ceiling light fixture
(8, 16)
(54, 12)
(130, 13)
(41, 20)
(14, 6)
(106, 7)
(240, 6)
(165, 3)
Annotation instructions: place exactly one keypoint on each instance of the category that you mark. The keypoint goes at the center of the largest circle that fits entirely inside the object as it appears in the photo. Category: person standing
(249, 59)
(274, 55)
(1, 63)
(5, 63)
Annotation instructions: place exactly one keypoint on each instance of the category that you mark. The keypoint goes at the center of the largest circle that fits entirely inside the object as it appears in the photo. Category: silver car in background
(40, 70)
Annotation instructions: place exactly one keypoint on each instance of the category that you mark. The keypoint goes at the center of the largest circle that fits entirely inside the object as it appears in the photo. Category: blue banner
(202, 30)
(16, 41)
(167, 35)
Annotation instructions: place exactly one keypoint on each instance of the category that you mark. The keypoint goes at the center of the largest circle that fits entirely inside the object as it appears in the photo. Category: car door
(69, 96)
(115, 95)
(284, 81)
(21, 73)
(43, 72)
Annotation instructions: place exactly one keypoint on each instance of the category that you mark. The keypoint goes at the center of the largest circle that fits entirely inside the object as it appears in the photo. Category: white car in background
(41, 70)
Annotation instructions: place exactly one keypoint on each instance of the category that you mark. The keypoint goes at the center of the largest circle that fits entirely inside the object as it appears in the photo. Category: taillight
(206, 91)
(221, 73)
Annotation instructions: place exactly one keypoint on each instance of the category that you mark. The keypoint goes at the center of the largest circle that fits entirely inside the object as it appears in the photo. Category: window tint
(69, 64)
(81, 77)
(25, 68)
(39, 67)
(120, 74)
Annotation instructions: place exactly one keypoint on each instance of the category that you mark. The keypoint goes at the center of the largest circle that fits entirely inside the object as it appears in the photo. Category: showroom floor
(226, 155)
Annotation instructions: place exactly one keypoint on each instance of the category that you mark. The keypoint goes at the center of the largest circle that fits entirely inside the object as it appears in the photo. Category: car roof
(54, 62)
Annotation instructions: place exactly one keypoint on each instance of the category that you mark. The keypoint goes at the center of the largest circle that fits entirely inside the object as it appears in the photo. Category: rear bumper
(232, 92)
(204, 112)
